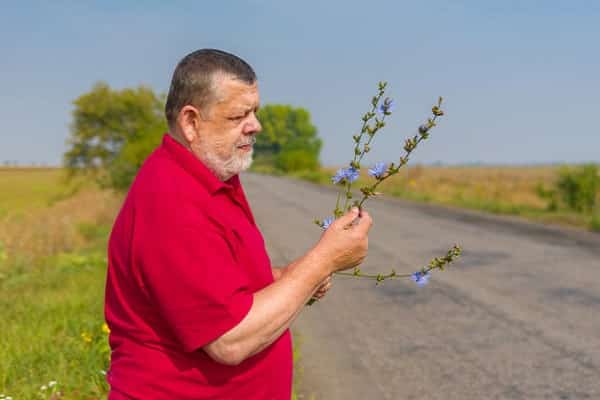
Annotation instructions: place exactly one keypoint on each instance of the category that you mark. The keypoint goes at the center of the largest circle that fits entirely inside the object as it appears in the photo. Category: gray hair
(194, 77)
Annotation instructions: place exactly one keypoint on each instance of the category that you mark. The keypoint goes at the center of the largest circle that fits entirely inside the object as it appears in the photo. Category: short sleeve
(198, 287)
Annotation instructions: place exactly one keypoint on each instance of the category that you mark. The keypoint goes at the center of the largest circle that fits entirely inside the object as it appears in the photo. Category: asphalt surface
(517, 317)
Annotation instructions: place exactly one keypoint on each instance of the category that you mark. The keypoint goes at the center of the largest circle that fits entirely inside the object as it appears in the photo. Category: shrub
(578, 187)
(297, 160)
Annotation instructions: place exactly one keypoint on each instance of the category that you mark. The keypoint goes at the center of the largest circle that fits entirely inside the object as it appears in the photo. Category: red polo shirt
(185, 257)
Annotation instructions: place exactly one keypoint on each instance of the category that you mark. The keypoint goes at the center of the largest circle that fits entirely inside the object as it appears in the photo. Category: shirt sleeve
(193, 278)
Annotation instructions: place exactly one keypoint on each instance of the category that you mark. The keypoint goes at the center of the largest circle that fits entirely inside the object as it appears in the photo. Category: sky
(520, 79)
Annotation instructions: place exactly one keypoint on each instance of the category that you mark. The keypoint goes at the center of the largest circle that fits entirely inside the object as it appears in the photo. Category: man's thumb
(350, 216)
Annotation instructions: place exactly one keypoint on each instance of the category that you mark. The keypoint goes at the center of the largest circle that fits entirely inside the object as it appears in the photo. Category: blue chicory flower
(378, 170)
(421, 278)
(339, 176)
(326, 222)
(386, 106)
(351, 174)
(345, 175)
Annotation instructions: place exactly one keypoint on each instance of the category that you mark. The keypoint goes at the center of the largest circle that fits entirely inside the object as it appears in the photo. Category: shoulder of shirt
(162, 184)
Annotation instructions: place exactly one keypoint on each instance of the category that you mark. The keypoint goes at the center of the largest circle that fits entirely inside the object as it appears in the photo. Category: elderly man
(195, 309)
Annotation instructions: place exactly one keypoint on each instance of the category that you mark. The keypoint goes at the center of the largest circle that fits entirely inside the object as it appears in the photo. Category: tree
(113, 131)
(288, 141)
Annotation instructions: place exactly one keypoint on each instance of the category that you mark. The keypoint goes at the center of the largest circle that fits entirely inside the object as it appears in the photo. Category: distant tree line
(113, 131)
(22, 164)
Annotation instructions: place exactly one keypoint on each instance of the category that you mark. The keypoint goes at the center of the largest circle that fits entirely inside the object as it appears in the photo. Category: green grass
(27, 188)
(51, 291)
(45, 313)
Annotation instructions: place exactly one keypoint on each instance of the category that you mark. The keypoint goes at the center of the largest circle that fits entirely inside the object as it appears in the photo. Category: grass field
(52, 272)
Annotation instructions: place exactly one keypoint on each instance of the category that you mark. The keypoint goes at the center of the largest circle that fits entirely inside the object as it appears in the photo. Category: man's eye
(236, 118)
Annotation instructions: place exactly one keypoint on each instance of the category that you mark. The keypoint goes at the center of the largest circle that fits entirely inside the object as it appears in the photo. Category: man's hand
(344, 244)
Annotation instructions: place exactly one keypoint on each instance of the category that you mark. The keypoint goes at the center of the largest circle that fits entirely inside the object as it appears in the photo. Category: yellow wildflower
(86, 337)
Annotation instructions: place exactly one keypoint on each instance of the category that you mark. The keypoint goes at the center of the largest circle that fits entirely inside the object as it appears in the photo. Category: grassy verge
(53, 329)
(52, 274)
(497, 190)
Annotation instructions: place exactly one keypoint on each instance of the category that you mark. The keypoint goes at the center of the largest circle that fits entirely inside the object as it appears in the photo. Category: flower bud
(437, 111)
(367, 191)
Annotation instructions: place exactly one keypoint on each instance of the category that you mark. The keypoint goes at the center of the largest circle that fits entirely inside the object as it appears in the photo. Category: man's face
(227, 129)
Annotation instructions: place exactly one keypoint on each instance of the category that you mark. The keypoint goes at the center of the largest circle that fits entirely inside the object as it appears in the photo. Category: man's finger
(365, 222)
(348, 218)
(324, 287)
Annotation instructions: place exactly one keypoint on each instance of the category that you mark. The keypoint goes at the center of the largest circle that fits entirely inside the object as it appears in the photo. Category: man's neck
(180, 140)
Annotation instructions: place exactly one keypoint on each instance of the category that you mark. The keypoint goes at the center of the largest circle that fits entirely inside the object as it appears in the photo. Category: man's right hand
(344, 244)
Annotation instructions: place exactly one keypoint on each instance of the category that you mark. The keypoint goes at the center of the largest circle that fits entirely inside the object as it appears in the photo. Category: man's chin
(242, 164)
(245, 159)
(247, 162)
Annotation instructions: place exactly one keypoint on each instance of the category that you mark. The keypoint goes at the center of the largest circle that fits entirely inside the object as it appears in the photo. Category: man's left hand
(323, 288)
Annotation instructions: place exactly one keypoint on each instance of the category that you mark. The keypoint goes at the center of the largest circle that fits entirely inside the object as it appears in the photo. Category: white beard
(225, 168)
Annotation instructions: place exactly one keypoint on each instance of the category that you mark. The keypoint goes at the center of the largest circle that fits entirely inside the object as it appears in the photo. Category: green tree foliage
(578, 187)
(113, 131)
(288, 141)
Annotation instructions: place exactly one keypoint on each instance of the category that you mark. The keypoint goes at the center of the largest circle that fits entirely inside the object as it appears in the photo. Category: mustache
(250, 141)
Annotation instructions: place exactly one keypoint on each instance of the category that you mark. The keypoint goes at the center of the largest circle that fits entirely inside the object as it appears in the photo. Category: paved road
(518, 318)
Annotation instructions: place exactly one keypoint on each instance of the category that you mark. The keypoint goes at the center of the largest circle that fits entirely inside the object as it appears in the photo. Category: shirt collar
(192, 165)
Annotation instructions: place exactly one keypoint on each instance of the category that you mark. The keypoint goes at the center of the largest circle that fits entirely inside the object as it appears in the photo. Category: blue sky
(521, 79)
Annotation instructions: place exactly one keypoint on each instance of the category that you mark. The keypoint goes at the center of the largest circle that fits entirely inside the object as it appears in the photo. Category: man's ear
(189, 121)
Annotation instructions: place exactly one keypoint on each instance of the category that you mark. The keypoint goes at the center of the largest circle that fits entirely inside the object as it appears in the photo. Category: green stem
(374, 186)
(337, 205)
(381, 277)
(436, 263)
(348, 185)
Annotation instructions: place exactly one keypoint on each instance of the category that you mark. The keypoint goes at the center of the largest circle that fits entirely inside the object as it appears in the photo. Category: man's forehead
(229, 88)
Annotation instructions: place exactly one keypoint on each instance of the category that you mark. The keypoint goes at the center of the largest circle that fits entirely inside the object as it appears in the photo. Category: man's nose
(253, 125)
